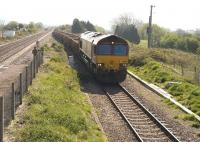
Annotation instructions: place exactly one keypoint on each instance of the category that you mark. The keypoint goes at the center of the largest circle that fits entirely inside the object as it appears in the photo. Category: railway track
(145, 126)
(8, 50)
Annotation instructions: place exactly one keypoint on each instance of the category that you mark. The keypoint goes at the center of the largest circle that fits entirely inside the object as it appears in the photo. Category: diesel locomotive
(105, 55)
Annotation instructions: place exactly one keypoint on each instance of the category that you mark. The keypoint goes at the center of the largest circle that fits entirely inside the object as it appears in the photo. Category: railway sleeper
(131, 110)
(135, 115)
(163, 139)
(154, 135)
(121, 99)
(146, 125)
(140, 113)
(156, 130)
(139, 119)
(141, 122)
(150, 127)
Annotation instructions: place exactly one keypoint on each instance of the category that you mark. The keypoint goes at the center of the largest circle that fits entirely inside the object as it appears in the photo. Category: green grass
(185, 92)
(171, 58)
(146, 64)
(57, 110)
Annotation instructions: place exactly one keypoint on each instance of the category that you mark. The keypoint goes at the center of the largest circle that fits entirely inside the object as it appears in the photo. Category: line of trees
(82, 26)
(186, 42)
(179, 39)
(15, 26)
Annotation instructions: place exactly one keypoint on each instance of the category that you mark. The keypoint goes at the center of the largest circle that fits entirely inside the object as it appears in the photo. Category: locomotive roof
(97, 37)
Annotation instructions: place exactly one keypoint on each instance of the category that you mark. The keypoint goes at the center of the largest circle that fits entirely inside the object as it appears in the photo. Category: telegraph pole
(149, 29)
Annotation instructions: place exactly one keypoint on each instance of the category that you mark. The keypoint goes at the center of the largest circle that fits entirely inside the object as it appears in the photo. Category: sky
(171, 14)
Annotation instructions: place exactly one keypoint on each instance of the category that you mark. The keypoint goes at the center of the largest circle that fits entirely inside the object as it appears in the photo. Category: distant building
(8, 34)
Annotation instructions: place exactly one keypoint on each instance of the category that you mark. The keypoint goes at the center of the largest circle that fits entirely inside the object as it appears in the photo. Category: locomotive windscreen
(117, 49)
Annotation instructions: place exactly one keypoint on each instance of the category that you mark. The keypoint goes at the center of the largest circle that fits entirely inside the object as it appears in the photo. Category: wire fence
(11, 95)
(189, 72)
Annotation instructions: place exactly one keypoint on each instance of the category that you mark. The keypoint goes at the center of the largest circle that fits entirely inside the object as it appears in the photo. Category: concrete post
(1, 117)
(31, 73)
(21, 88)
(13, 102)
(26, 78)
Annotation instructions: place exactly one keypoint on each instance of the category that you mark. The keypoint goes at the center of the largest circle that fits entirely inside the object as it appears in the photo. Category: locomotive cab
(105, 55)
(111, 57)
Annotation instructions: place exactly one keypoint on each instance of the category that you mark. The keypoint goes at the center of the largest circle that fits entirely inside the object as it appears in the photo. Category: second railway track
(6, 51)
(145, 126)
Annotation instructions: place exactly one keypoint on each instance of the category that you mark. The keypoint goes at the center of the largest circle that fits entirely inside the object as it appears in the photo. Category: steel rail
(164, 94)
(151, 116)
(124, 117)
(12, 48)
(165, 130)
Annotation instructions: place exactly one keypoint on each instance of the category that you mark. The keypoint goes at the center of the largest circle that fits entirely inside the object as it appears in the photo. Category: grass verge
(153, 71)
(57, 111)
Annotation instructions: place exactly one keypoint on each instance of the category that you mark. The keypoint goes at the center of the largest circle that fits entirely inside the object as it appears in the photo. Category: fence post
(13, 102)
(1, 117)
(195, 74)
(34, 66)
(26, 78)
(21, 88)
(37, 65)
(31, 72)
(34, 60)
(182, 71)
(40, 57)
(42, 50)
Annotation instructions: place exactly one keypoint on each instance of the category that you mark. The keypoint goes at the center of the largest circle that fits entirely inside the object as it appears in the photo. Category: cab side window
(80, 43)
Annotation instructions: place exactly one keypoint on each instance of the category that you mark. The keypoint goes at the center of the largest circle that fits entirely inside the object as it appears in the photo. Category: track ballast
(145, 126)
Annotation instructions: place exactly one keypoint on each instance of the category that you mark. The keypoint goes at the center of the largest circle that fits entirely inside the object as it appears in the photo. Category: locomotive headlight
(123, 65)
(99, 64)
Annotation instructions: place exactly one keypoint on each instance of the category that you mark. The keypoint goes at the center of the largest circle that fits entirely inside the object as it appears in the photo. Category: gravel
(164, 112)
(116, 130)
(113, 125)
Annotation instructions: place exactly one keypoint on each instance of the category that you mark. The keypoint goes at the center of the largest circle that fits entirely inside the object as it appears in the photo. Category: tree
(81, 26)
(65, 28)
(76, 26)
(169, 40)
(181, 32)
(128, 32)
(127, 19)
(157, 33)
(181, 43)
(13, 25)
(198, 51)
(125, 26)
(192, 44)
(1, 27)
(90, 27)
(197, 32)
(32, 27)
(21, 25)
(39, 25)
(142, 31)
